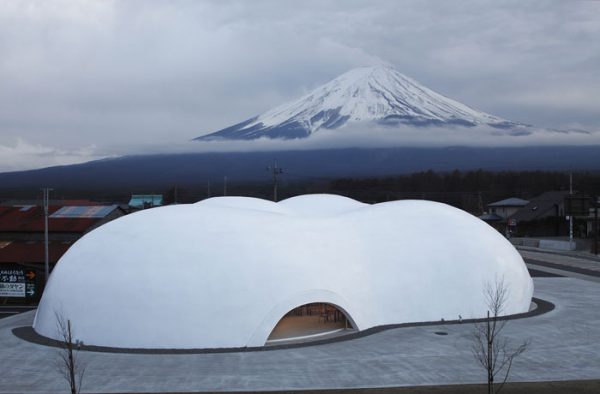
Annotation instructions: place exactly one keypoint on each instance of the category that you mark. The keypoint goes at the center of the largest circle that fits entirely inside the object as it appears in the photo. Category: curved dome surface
(224, 271)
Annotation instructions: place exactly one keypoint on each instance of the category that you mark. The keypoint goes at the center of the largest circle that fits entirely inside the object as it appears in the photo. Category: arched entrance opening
(311, 322)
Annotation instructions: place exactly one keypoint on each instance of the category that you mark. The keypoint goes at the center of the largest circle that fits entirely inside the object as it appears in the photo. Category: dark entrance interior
(310, 322)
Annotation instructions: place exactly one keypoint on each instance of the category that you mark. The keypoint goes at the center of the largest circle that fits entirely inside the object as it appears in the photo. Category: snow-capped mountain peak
(377, 93)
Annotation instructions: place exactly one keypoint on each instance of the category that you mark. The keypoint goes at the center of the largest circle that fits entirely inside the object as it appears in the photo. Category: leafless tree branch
(68, 364)
(490, 349)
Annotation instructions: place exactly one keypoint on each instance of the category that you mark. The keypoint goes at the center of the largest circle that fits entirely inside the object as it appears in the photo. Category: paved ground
(570, 260)
(10, 310)
(561, 387)
(565, 346)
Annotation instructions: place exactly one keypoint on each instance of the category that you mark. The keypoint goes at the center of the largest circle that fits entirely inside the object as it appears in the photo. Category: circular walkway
(565, 345)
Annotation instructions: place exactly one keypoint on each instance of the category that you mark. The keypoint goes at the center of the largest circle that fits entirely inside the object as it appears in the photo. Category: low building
(494, 220)
(143, 201)
(591, 220)
(506, 208)
(586, 211)
(544, 215)
(22, 242)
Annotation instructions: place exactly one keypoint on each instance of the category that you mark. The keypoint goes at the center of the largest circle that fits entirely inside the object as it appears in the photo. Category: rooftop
(96, 211)
(30, 218)
(540, 205)
(490, 217)
(141, 200)
(509, 202)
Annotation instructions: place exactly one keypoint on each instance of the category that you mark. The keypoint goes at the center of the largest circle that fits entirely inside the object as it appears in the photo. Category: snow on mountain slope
(378, 93)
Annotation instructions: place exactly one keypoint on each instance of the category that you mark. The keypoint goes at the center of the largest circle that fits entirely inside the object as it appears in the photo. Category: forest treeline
(468, 190)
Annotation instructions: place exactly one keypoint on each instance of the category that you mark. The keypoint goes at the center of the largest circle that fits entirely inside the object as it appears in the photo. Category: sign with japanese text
(17, 282)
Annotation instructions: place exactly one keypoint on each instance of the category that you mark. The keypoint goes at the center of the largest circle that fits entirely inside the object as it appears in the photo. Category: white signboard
(12, 289)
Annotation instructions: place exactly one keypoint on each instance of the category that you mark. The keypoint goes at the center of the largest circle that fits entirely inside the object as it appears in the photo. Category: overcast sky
(85, 79)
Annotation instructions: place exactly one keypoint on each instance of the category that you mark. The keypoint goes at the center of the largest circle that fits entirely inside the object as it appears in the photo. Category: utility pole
(596, 227)
(225, 186)
(46, 254)
(571, 213)
(276, 170)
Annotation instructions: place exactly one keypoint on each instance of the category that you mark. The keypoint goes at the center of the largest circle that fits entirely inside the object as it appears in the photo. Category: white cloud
(132, 75)
(369, 135)
(22, 155)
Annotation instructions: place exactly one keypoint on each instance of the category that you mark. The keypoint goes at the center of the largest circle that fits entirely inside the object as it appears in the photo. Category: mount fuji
(378, 94)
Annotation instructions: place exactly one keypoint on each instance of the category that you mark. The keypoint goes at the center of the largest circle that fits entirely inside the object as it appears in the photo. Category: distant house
(491, 218)
(544, 215)
(506, 208)
(592, 217)
(22, 248)
(585, 210)
(142, 201)
(65, 223)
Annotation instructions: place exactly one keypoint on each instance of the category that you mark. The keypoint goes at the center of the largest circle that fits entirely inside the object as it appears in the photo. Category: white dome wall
(222, 272)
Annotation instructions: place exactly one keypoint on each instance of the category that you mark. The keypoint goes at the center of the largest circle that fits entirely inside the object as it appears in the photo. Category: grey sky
(81, 80)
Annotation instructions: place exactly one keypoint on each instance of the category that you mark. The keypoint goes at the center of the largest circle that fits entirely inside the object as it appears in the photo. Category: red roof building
(22, 246)
(31, 252)
(28, 220)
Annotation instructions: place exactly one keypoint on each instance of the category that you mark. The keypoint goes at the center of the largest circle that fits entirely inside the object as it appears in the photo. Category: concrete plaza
(565, 345)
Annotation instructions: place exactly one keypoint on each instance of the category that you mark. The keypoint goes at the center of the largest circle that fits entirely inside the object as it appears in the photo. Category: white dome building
(223, 272)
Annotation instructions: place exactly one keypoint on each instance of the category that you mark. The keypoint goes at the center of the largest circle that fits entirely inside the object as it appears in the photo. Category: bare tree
(69, 364)
(491, 349)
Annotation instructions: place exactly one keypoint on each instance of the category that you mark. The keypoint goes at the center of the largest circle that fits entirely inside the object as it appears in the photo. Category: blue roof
(77, 212)
(141, 200)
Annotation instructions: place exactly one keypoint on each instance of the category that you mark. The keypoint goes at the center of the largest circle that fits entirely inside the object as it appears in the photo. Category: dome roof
(224, 271)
